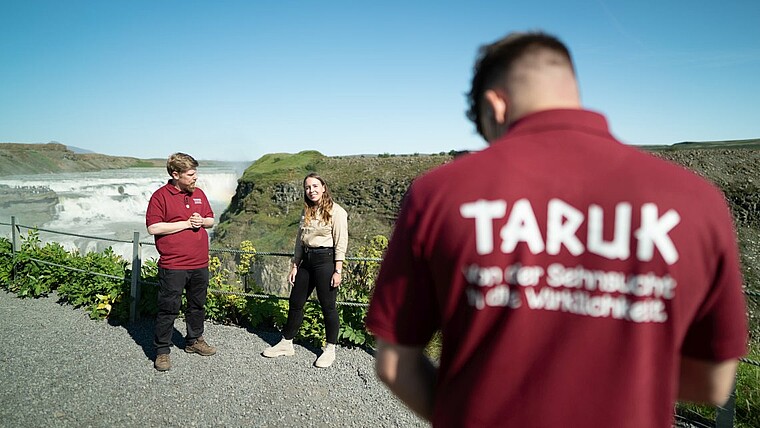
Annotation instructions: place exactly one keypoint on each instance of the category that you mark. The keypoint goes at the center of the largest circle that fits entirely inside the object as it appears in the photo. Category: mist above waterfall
(110, 203)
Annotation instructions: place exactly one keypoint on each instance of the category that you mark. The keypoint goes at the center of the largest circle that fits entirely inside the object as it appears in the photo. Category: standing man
(576, 281)
(178, 216)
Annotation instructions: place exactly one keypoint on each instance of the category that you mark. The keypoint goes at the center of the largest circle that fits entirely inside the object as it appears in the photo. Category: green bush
(36, 270)
(269, 313)
(357, 287)
(27, 278)
(748, 392)
(148, 303)
(6, 263)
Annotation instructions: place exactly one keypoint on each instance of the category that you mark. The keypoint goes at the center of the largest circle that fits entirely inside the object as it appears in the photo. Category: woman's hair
(323, 207)
(180, 162)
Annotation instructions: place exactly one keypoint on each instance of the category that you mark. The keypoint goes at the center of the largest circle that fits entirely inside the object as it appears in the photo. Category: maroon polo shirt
(187, 249)
(568, 274)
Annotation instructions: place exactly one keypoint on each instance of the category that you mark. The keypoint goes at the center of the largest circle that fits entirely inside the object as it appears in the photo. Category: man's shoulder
(163, 190)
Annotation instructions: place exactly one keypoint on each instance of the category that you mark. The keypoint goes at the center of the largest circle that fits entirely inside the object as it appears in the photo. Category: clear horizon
(235, 80)
(248, 161)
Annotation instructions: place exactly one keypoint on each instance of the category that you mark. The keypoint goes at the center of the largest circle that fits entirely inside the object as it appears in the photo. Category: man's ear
(175, 175)
(498, 103)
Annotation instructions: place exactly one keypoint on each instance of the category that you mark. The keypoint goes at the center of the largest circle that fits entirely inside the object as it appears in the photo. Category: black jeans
(171, 283)
(316, 271)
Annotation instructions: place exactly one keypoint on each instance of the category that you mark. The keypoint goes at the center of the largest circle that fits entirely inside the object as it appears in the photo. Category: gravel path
(59, 368)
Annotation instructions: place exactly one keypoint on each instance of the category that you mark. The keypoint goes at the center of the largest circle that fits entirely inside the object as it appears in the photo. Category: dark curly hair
(495, 60)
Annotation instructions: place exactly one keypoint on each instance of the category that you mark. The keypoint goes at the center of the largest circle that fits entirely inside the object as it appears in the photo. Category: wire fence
(71, 268)
(749, 293)
(137, 242)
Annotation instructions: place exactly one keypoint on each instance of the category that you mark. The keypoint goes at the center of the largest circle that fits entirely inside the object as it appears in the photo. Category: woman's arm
(340, 242)
(340, 232)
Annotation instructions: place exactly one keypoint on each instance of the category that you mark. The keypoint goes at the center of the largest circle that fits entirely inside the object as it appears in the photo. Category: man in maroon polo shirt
(178, 216)
(576, 281)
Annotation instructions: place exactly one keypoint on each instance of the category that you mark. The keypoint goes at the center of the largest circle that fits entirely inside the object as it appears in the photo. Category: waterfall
(112, 203)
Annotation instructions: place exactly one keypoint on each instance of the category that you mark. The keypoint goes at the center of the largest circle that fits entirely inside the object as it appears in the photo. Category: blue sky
(233, 80)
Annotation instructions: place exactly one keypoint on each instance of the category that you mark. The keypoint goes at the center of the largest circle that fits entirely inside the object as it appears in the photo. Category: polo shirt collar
(578, 119)
(172, 188)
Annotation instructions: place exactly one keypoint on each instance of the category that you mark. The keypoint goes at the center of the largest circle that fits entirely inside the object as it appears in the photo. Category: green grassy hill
(18, 158)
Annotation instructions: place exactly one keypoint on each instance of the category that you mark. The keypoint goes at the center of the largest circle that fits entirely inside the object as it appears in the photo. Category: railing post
(14, 235)
(136, 268)
(724, 416)
(14, 246)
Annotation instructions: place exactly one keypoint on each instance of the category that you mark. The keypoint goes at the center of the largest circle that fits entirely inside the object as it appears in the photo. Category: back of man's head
(525, 65)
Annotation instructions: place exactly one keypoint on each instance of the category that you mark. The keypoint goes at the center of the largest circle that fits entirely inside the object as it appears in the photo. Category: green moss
(277, 166)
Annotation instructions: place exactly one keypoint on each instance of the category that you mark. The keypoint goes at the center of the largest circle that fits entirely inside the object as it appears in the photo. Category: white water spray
(112, 204)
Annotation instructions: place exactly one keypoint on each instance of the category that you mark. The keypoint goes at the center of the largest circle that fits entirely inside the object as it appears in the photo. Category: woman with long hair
(317, 262)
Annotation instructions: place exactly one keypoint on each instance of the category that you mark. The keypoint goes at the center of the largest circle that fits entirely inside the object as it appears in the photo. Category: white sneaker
(282, 349)
(327, 357)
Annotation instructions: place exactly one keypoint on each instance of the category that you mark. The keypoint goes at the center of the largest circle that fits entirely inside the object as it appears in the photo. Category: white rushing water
(112, 203)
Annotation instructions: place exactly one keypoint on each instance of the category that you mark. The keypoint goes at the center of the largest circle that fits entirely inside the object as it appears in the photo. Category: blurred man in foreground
(576, 281)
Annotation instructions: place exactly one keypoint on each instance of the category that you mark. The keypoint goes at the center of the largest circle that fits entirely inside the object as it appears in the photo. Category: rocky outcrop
(270, 274)
(37, 202)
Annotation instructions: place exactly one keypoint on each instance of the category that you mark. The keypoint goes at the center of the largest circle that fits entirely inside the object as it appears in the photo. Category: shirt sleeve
(404, 309)
(719, 331)
(340, 232)
(156, 210)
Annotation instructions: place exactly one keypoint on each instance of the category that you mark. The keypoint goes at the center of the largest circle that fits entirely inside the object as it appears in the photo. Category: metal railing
(136, 281)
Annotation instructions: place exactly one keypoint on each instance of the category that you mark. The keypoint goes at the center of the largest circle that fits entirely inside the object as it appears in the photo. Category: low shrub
(37, 270)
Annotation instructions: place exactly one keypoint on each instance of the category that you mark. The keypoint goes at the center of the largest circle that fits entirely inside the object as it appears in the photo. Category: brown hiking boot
(200, 347)
(162, 363)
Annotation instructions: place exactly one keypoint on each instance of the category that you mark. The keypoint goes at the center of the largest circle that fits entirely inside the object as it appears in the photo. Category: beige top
(319, 234)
